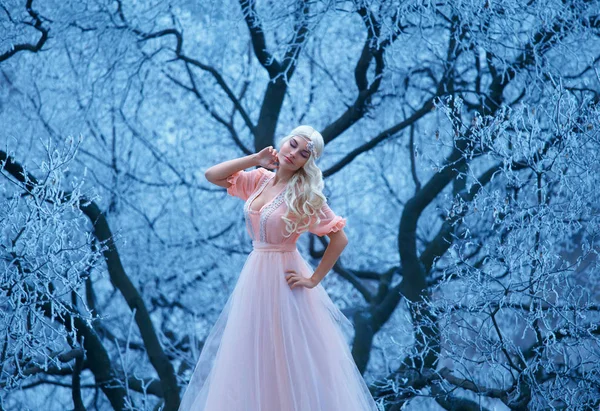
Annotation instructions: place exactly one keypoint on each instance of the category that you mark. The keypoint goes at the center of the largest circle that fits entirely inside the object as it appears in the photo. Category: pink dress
(273, 348)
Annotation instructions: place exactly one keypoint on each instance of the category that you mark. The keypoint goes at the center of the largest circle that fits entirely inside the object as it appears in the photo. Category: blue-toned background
(462, 146)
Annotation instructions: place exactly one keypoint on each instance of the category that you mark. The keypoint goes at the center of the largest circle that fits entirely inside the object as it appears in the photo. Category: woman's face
(293, 153)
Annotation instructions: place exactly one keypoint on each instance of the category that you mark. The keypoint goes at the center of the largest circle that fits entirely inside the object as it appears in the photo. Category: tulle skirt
(273, 348)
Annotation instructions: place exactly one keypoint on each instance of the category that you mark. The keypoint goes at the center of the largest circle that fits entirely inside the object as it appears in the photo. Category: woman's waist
(281, 247)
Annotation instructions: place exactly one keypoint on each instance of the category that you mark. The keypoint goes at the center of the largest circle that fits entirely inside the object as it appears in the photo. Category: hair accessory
(311, 146)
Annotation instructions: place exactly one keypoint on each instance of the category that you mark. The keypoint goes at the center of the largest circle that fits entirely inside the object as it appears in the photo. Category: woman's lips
(287, 158)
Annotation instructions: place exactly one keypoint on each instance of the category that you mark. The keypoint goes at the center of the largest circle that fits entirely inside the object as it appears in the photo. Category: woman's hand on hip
(294, 279)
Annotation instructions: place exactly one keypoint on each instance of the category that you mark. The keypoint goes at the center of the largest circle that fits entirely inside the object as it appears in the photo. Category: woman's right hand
(267, 157)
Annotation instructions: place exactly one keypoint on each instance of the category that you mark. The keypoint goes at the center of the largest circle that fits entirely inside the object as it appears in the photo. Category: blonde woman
(278, 344)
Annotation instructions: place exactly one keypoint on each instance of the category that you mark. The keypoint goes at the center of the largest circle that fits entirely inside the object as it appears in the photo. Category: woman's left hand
(294, 279)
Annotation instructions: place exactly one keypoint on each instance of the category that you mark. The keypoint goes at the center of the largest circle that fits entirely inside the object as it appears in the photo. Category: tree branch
(365, 91)
(384, 135)
(259, 43)
(189, 60)
(34, 48)
(120, 280)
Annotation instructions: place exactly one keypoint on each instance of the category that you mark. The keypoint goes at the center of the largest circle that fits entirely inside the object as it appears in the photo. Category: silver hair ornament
(311, 146)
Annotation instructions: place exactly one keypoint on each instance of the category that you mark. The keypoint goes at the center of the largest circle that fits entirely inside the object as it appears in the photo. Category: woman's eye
(293, 144)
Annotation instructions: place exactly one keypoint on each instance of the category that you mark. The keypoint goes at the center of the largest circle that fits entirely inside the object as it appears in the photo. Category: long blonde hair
(304, 198)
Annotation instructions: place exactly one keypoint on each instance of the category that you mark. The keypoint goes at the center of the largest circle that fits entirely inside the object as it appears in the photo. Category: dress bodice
(266, 225)
(268, 218)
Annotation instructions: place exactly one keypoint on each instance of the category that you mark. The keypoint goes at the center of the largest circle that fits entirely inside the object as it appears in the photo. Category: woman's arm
(337, 243)
(218, 173)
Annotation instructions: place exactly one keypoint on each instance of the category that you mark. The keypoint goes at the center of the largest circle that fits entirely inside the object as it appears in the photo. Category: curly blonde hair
(305, 198)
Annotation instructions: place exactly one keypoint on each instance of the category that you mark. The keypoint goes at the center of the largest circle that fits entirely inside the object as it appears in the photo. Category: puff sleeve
(330, 222)
(243, 183)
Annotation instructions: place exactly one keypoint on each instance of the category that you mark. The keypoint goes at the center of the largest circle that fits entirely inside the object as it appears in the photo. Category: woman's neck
(282, 178)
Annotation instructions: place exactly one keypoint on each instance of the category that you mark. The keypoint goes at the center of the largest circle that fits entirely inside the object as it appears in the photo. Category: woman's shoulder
(265, 172)
(260, 172)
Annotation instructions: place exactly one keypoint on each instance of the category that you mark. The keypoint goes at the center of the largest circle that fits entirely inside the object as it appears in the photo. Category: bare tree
(461, 140)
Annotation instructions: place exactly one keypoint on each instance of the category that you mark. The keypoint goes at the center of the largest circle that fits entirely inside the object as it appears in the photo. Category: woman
(278, 343)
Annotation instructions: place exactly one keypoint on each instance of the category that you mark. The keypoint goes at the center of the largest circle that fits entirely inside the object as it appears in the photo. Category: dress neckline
(259, 191)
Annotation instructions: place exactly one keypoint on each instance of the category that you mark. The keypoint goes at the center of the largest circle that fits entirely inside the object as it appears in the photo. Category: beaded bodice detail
(265, 211)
